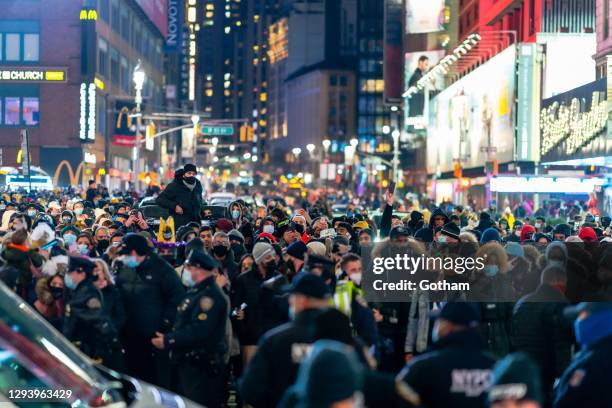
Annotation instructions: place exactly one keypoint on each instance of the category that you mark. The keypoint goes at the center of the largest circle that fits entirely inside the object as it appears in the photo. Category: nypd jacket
(456, 373)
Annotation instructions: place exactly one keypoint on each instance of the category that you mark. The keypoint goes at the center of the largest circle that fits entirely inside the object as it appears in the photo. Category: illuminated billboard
(425, 16)
(412, 74)
(472, 114)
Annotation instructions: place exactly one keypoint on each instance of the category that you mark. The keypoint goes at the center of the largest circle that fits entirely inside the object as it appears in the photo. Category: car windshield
(34, 355)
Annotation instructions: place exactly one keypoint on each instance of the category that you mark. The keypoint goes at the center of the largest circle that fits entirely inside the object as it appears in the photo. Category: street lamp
(386, 129)
(326, 143)
(395, 135)
(310, 147)
(296, 151)
(354, 142)
(139, 77)
(215, 141)
(195, 119)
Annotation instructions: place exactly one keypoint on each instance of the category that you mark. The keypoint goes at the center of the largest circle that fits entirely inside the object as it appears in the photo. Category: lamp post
(296, 152)
(311, 148)
(326, 144)
(395, 135)
(139, 78)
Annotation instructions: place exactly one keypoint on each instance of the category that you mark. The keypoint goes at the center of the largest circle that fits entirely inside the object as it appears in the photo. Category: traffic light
(246, 133)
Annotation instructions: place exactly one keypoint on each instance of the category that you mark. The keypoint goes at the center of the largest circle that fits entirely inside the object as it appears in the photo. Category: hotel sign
(35, 75)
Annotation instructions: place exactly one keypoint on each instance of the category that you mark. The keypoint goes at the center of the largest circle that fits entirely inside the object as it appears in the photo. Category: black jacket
(587, 381)
(274, 367)
(201, 320)
(113, 305)
(177, 193)
(456, 373)
(151, 293)
(258, 316)
(539, 329)
(86, 322)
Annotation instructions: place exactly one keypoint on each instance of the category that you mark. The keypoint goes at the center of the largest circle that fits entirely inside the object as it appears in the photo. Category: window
(115, 15)
(125, 23)
(30, 111)
(333, 80)
(103, 8)
(12, 52)
(114, 66)
(136, 35)
(343, 81)
(103, 57)
(11, 111)
(30, 47)
(125, 75)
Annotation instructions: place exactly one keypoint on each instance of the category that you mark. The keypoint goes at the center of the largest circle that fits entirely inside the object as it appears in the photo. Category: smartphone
(392, 187)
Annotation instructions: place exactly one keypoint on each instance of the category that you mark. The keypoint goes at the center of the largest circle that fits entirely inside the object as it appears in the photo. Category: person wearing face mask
(257, 318)
(237, 244)
(456, 372)
(296, 253)
(268, 226)
(539, 328)
(587, 380)
(147, 280)
(85, 245)
(86, 322)
(515, 236)
(66, 218)
(348, 298)
(223, 255)
(50, 299)
(102, 239)
(182, 197)
(78, 208)
(274, 367)
(32, 211)
(198, 337)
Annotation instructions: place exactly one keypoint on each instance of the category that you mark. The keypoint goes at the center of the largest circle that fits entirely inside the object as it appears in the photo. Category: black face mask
(190, 179)
(270, 267)
(220, 250)
(57, 293)
(103, 244)
(170, 259)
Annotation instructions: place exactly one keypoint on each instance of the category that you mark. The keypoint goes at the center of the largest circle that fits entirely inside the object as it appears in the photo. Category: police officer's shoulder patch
(206, 303)
(577, 377)
(202, 316)
(94, 303)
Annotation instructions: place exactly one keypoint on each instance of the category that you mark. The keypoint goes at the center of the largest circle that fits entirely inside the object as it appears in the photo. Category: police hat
(461, 313)
(134, 242)
(201, 260)
(572, 312)
(516, 378)
(311, 286)
(80, 264)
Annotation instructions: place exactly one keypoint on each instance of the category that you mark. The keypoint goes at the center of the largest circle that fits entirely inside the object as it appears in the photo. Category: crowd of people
(265, 301)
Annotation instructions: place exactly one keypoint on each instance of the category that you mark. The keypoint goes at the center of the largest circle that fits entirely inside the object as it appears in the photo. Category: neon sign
(560, 122)
(87, 117)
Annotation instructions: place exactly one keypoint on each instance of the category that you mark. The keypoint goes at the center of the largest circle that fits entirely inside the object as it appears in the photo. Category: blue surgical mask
(78, 211)
(442, 239)
(593, 328)
(235, 214)
(491, 270)
(70, 239)
(187, 278)
(130, 261)
(31, 213)
(269, 229)
(69, 282)
(83, 249)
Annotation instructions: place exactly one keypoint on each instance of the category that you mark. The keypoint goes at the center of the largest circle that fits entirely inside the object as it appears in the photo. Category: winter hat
(261, 250)
(573, 238)
(297, 250)
(235, 235)
(224, 225)
(451, 229)
(425, 234)
(527, 230)
(190, 167)
(316, 248)
(490, 234)
(71, 228)
(587, 234)
(516, 378)
(515, 249)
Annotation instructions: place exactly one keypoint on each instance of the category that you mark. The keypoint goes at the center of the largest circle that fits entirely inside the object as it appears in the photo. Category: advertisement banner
(156, 10)
(473, 115)
(412, 73)
(425, 16)
(125, 126)
(528, 136)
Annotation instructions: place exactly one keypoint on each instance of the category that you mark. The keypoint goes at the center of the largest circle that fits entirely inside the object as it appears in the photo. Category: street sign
(222, 130)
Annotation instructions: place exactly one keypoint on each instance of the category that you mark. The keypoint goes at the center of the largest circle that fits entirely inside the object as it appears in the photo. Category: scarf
(189, 186)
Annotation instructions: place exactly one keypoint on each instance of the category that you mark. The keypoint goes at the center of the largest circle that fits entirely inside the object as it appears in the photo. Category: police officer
(587, 381)
(197, 342)
(281, 350)
(457, 372)
(86, 323)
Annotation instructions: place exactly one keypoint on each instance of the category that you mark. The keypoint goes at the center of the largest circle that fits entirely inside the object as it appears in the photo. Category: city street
(306, 203)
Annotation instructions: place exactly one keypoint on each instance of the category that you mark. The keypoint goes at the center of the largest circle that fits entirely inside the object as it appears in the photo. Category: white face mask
(517, 233)
(269, 229)
(356, 278)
